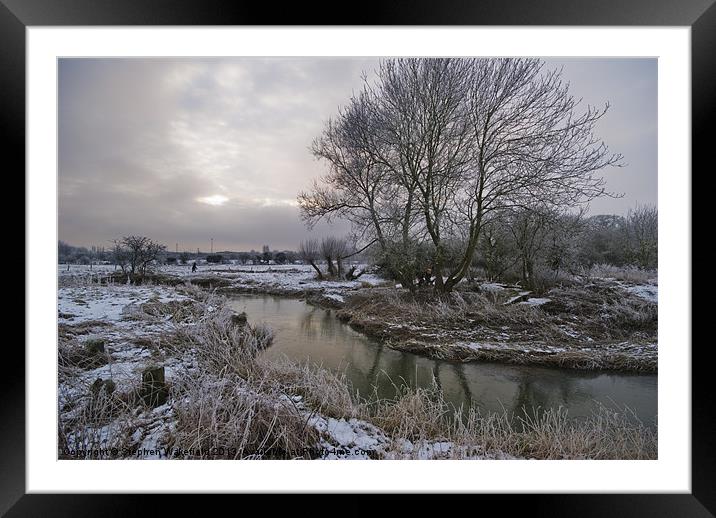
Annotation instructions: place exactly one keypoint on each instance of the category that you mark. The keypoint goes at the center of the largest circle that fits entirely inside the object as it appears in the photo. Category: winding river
(307, 333)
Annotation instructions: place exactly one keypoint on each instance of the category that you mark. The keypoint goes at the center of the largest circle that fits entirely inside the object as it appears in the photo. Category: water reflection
(304, 332)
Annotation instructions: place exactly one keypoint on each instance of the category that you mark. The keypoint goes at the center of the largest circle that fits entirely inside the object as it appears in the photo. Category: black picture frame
(700, 15)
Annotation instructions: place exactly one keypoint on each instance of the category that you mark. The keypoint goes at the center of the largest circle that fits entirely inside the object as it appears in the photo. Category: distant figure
(193, 267)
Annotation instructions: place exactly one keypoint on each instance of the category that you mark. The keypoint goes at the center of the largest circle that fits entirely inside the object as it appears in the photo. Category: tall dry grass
(423, 417)
(97, 417)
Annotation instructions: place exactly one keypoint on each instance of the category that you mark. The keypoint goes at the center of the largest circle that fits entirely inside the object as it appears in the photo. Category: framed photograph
(418, 254)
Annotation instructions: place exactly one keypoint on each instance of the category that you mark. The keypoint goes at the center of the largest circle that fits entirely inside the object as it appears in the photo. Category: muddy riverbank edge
(464, 341)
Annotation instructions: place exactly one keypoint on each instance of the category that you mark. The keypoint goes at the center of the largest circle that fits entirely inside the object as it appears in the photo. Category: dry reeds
(422, 417)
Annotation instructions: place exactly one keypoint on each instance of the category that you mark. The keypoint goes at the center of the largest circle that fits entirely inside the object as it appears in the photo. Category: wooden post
(154, 390)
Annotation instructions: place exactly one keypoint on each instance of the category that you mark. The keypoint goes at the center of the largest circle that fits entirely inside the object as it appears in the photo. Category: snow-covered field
(287, 280)
(108, 303)
(281, 279)
(294, 279)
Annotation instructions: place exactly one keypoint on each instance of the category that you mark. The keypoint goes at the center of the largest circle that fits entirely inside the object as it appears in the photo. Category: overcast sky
(183, 150)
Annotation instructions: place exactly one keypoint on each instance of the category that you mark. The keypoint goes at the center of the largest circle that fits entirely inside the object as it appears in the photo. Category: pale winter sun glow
(216, 200)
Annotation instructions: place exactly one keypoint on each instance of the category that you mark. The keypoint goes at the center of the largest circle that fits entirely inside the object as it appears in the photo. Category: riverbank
(599, 323)
(220, 399)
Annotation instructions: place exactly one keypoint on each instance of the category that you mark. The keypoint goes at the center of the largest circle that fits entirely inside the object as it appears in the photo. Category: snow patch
(537, 301)
(647, 292)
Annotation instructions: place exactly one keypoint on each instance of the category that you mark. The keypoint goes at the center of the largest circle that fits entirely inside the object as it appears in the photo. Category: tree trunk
(408, 283)
(437, 271)
(331, 268)
(457, 275)
(318, 270)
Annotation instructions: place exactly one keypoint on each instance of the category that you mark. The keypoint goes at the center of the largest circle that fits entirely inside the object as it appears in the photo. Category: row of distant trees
(81, 255)
(128, 246)
(534, 247)
(282, 257)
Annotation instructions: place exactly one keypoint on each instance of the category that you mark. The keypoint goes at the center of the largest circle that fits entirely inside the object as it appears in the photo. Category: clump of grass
(552, 434)
(327, 393)
(454, 311)
(245, 418)
(415, 415)
(605, 311)
(175, 310)
(221, 346)
(245, 404)
(630, 315)
(72, 354)
(596, 311)
(100, 418)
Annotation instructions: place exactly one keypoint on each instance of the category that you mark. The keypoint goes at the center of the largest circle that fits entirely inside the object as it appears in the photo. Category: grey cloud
(140, 140)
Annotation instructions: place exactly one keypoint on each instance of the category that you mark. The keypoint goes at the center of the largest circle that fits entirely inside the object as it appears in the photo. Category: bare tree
(329, 252)
(604, 241)
(642, 231)
(308, 252)
(333, 250)
(135, 253)
(341, 250)
(389, 153)
(495, 250)
(120, 255)
(353, 187)
(528, 228)
(427, 124)
(563, 242)
(435, 147)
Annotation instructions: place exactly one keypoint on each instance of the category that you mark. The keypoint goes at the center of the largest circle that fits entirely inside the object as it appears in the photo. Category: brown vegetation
(587, 326)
